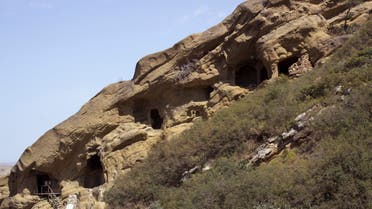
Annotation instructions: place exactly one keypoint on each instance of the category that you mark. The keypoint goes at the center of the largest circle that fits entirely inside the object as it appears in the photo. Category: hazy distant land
(5, 168)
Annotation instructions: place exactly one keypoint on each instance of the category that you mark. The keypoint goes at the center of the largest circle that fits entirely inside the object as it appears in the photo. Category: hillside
(319, 124)
(269, 108)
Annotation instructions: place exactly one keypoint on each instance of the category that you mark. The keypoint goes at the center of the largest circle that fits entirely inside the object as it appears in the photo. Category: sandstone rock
(175, 131)
(288, 134)
(302, 66)
(339, 90)
(20, 201)
(43, 204)
(171, 89)
(272, 139)
(4, 190)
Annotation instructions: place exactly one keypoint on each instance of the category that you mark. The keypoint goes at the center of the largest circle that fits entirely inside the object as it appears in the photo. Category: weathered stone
(4, 190)
(288, 134)
(20, 201)
(302, 66)
(339, 90)
(43, 204)
(262, 154)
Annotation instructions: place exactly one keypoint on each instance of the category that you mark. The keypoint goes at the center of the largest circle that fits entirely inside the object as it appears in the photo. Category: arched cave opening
(156, 119)
(284, 65)
(94, 172)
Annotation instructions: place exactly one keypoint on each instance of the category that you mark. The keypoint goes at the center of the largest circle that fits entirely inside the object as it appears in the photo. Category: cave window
(46, 185)
(139, 111)
(283, 66)
(156, 119)
(94, 172)
(193, 113)
(208, 91)
(197, 111)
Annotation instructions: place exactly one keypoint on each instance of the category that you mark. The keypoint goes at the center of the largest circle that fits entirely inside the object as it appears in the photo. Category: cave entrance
(156, 119)
(249, 77)
(94, 173)
(246, 77)
(284, 65)
(139, 111)
(262, 75)
(209, 91)
(46, 185)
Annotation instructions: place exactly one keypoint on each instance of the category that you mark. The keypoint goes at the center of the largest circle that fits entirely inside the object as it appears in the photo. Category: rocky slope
(171, 89)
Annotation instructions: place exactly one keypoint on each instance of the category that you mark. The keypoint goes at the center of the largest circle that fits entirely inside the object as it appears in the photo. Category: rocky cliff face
(170, 89)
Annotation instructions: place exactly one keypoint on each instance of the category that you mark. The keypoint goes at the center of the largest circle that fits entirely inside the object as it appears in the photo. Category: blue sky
(56, 54)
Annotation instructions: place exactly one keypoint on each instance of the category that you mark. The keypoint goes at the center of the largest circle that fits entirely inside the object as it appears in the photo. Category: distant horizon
(56, 55)
(7, 164)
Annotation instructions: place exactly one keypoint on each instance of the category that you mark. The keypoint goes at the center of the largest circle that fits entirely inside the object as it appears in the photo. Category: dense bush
(331, 170)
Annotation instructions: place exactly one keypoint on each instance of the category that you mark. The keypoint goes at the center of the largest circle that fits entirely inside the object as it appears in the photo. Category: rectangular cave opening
(156, 119)
(139, 111)
(262, 75)
(46, 185)
(250, 77)
(284, 65)
(94, 172)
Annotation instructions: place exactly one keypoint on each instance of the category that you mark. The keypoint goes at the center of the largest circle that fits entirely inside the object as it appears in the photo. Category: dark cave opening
(284, 65)
(139, 111)
(42, 182)
(46, 184)
(246, 77)
(249, 77)
(208, 92)
(262, 75)
(156, 119)
(94, 172)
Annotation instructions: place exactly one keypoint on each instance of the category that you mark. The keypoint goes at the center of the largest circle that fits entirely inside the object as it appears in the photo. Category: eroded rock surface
(171, 89)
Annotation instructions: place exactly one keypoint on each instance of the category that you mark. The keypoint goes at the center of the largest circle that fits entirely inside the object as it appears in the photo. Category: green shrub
(313, 91)
(362, 58)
